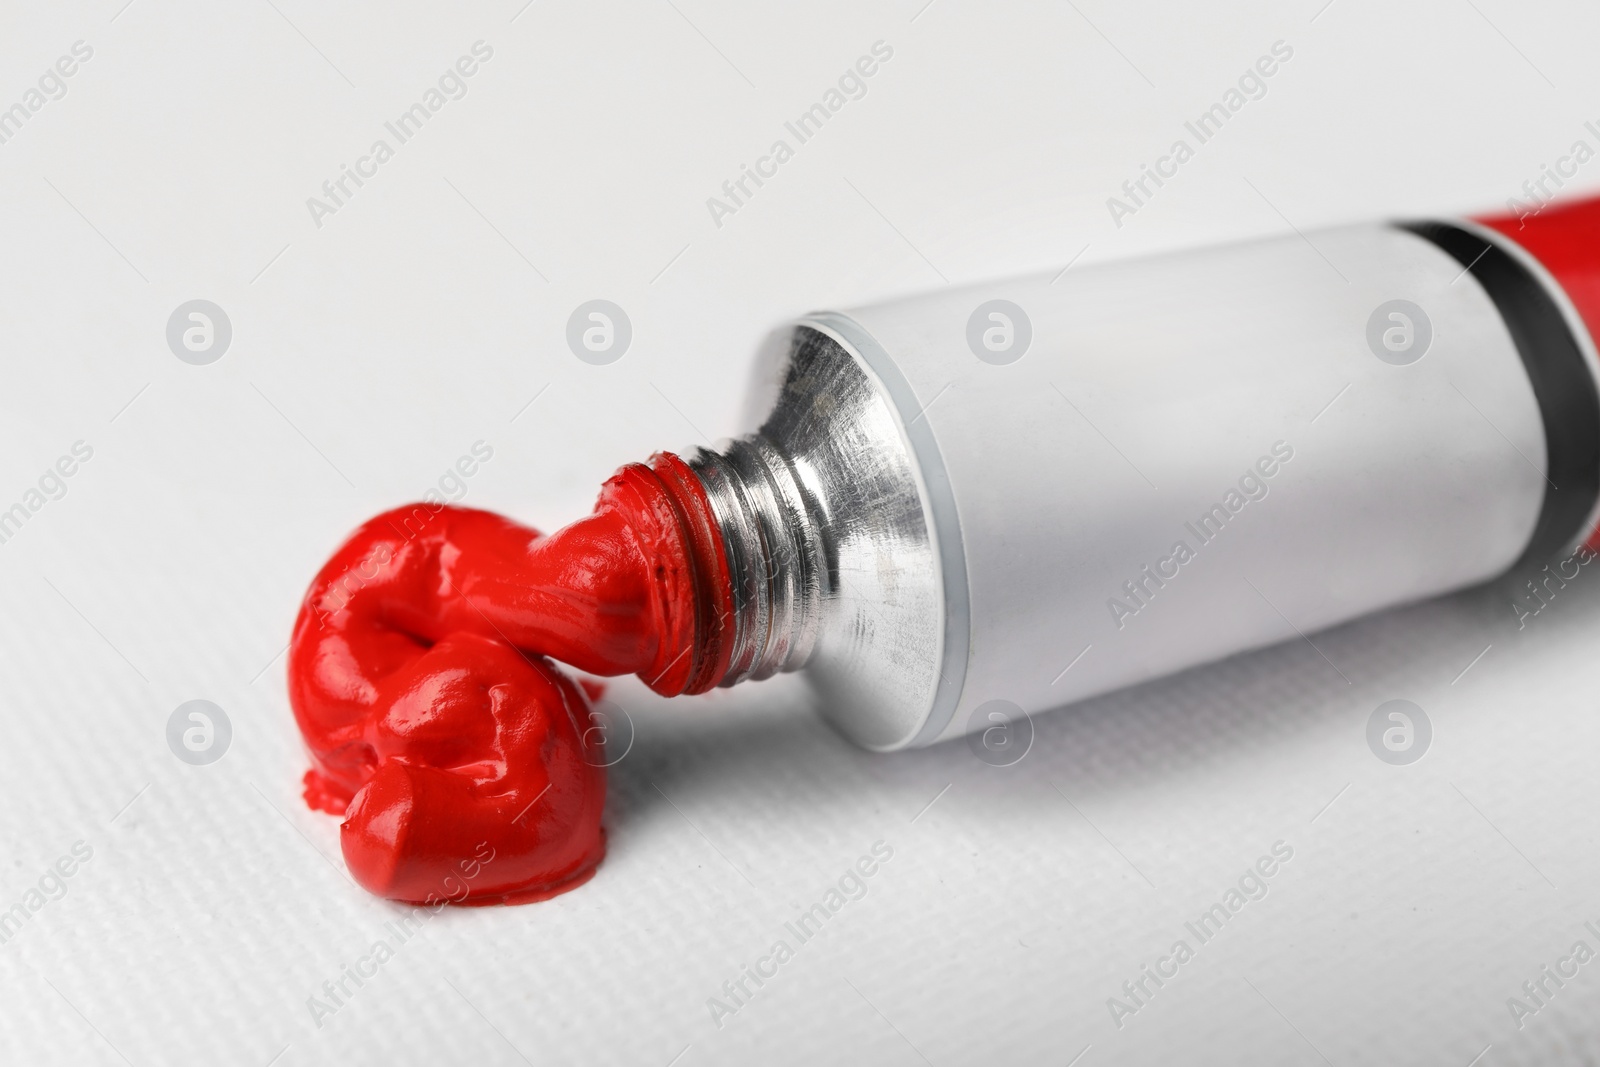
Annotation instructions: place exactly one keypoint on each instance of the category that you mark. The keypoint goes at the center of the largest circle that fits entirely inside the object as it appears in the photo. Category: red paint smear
(466, 762)
(1565, 239)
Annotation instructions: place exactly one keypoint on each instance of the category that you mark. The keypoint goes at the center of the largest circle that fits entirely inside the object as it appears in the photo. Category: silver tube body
(1193, 455)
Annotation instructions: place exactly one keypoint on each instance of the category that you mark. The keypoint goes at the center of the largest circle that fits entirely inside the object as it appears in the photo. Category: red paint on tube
(1565, 239)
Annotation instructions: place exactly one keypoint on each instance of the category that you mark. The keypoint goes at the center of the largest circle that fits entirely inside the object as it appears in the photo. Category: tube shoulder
(830, 538)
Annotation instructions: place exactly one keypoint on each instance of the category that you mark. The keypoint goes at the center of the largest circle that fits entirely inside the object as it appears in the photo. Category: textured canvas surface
(374, 343)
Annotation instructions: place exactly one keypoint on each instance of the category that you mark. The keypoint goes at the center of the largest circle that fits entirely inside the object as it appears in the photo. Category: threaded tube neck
(766, 521)
(697, 658)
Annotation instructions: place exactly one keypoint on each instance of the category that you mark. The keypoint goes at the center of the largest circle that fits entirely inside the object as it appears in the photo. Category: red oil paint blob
(466, 763)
